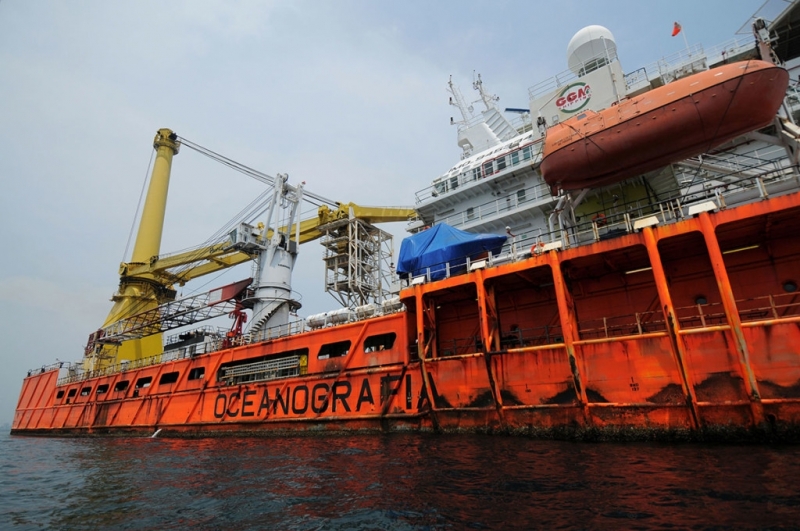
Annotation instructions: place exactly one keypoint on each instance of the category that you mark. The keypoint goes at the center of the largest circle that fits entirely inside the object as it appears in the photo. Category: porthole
(169, 378)
(700, 299)
(141, 383)
(790, 286)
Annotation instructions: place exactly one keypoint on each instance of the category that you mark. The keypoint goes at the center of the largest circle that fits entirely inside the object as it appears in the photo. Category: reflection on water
(398, 481)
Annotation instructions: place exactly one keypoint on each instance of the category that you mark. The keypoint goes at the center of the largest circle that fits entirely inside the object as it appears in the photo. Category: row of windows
(142, 383)
(329, 350)
(490, 167)
(371, 344)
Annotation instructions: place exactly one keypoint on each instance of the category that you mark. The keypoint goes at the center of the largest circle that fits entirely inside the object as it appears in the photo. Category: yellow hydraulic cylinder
(139, 293)
(148, 239)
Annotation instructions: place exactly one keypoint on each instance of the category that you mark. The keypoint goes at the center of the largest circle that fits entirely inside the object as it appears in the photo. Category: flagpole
(678, 28)
(685, 41)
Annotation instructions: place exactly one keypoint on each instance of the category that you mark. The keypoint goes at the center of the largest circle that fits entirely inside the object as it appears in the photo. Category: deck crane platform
(224, 300)
(148, 280)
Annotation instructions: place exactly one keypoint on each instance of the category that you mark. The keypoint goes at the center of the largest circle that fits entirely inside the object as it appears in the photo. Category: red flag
(676, 29)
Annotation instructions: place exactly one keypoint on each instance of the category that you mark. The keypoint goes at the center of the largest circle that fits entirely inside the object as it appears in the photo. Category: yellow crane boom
(205, 260)
(148, 280)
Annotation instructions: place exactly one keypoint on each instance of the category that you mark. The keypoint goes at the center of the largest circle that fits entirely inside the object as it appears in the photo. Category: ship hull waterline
(464, 359)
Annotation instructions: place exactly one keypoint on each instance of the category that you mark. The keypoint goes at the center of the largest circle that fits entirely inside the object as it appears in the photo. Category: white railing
(490, 167)
(615, 222)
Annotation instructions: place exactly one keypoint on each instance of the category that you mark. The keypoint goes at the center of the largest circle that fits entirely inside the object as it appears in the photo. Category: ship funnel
(591, 48)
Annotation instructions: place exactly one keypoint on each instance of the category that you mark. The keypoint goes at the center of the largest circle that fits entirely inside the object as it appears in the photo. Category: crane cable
(138, 206)
(249, 213)
(255, 174)
(256, 208)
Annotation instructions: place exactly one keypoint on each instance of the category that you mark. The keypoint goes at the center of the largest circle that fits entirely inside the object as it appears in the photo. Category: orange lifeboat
(671, 123)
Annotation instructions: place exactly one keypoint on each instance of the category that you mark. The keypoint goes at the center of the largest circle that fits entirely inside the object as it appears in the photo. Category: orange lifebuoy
(599, 219)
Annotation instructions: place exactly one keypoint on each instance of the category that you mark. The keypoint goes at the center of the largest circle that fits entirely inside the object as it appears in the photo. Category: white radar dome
(590, 48)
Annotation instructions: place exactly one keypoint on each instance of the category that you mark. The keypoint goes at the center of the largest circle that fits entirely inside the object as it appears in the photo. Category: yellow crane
(148, 280)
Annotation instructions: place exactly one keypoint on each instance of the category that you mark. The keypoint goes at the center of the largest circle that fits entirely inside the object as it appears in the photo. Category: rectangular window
(379, 342)
(454, 182)
(197, 373)
(515, 158)
(121, 386)
(168, 378)
(487, 168)
(102, 389)
(72, 392)
(470, 213)
(60, 395)
(521, 196)
(501, 163)
(141, 383)
(334, 350)
(476, 173)
(270, 367)
(526, 153)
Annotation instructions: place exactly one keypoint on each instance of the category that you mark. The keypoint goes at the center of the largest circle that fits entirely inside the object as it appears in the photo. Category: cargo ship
(619, 260)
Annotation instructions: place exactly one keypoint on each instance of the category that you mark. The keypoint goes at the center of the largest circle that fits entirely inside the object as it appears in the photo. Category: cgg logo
(574, 97)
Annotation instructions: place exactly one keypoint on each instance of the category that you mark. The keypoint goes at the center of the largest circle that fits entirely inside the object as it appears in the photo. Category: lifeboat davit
(671, 123)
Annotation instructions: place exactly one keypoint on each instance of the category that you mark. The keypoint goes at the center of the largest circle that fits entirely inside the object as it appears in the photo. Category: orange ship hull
(590, 341)
(665, 125)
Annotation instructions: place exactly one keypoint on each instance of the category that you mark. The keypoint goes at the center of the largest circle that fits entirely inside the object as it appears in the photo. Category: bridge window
(454, 182)
(60, 395)
(141, 383)
(379, 342)
(72, 392)
(121, 386)
(334, 350)
(168, 378)
(197, 373)
(102, 389)
(501, 163)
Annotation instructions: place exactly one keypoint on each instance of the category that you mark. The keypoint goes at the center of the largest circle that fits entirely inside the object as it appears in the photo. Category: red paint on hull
(512, 348)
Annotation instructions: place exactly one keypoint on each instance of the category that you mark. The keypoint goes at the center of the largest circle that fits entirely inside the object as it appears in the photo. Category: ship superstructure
(662, 300)
(501, 189)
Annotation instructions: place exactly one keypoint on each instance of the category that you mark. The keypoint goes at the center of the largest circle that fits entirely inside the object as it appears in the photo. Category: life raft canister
(537, 248)
(599, 219)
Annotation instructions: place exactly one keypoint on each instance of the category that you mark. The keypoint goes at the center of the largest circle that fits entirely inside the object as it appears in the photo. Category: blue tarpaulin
(441, 245)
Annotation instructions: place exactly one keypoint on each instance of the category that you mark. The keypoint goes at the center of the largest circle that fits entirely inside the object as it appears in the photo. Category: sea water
(393, 481)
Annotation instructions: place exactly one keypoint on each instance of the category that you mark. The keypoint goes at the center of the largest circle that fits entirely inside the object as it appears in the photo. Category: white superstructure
(499, 189)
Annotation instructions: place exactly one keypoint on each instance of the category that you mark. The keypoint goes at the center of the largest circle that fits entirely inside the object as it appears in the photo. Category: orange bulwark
(689, 328)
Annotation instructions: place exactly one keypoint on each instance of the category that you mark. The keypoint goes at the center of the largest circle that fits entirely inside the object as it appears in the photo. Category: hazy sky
(348, 96)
